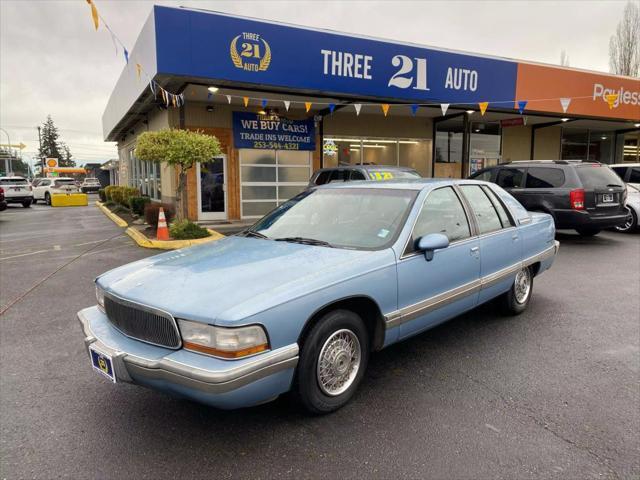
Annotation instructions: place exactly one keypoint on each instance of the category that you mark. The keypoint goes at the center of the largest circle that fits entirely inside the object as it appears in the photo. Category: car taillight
(576, 198)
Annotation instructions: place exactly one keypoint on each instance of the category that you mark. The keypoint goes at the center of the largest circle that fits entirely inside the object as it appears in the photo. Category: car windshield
(13, 181)
(597, 176)
(346, 217)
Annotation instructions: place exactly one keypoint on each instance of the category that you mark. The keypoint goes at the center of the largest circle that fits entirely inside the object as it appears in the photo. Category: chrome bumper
(236, 373)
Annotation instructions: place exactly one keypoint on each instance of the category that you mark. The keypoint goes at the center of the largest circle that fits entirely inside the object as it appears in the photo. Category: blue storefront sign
(231, 49)
(252, 130)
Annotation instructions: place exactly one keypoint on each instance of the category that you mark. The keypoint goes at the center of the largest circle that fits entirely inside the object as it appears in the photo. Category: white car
(48, 186)
(629, 172)
(17, 190)
(633, 207)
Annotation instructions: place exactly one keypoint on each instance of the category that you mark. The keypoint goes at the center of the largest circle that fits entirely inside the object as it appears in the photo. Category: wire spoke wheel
(338, 362)
(628, 222)
(522, 285)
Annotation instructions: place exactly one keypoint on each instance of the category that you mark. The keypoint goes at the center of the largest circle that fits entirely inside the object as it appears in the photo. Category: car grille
(142, 323)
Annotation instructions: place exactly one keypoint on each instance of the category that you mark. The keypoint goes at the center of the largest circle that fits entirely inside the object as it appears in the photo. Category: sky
(52, 61)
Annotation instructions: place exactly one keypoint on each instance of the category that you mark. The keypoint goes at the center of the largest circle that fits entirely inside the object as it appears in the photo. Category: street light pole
(40, 153)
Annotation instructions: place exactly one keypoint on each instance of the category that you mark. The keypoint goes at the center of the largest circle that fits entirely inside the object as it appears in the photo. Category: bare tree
(564, 58)
(624, 46)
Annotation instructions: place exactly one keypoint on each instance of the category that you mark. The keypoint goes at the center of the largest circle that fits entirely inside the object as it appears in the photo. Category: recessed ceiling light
(477, 130)
(564, 119)
(261, 112)
(213, 89)
(636, 125)
(603, 137)
(470, 111)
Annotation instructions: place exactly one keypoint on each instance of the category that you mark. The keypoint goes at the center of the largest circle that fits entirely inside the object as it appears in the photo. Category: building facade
(285, 100)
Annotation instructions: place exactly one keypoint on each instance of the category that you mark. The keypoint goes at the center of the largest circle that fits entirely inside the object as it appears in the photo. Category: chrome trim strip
(405, 314)
(146, 308)
(206, 381)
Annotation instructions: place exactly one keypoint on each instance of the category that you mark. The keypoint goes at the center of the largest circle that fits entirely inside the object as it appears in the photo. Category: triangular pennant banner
(94, 14)
(611, 98)
(263, 103)
(565, 104)
(414, 110)
(357, 106)
(287, 103)
(228, 99)
(332, 107)
(483, 107)
(138, 70)
(307, 106)
(246, 101)
(444, 107)
(521, 105)
(126, 55)
(385, 108)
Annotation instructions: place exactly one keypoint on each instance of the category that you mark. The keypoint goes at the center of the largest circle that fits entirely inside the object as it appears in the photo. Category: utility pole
(40, 153)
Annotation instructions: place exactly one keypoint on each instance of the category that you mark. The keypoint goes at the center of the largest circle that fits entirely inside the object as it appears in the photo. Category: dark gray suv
(583, 196)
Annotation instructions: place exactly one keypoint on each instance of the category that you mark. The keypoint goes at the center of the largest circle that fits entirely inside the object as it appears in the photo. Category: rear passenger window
(540, 177)
(339, 176)
(443, 213)
(635, 175)
(357, 175)
(484, 176)
(486, 214)
(510, 177)
(620, 171)
(323, 177)
(505, 218)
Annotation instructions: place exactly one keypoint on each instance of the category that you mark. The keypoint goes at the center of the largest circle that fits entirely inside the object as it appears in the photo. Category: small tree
(182, 148)
(624, 46)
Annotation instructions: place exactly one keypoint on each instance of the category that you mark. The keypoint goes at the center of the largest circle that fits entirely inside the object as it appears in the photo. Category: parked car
(90, 185)
(633, 210)
(361, 172)
(583, 196)
(299, 300)
(49, 186)
(3, 202)
(629, 172)
(17, 190)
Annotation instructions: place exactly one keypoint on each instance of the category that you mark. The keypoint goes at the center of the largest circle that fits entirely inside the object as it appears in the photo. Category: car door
(38, 192)
(500, 243)
(430, 292)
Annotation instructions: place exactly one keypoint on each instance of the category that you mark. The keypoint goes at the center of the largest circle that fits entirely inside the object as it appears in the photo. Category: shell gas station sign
(588, 91)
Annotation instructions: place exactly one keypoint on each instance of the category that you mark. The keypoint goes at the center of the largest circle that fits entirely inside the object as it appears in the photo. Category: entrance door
(212, 189)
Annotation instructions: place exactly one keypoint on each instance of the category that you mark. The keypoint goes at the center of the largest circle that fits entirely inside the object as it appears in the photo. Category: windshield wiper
(253, 233)
(305, 241)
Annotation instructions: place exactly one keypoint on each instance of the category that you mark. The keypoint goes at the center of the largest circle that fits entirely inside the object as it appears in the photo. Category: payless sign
(222, 47)
(251, 130)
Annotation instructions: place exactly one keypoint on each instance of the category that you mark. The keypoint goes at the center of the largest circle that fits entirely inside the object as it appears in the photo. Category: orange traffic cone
(163, 231)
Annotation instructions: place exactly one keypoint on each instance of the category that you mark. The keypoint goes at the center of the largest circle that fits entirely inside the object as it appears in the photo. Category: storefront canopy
(178, 46)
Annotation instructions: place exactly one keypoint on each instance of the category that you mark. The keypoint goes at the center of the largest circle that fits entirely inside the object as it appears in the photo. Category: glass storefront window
(145, 176)
(448, 152)
(484, 146)
(601, 147)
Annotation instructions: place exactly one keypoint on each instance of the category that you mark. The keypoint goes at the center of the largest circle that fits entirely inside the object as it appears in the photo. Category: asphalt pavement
(552, 393)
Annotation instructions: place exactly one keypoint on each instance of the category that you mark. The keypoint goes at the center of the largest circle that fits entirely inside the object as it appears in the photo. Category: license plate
(607, 197)
(102, 363)
(16, 188)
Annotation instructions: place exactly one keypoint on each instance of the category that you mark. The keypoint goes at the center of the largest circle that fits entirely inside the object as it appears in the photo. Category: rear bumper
(18, 199)
(3, 205)
(89, 189)
(585, 219)
(220, 383)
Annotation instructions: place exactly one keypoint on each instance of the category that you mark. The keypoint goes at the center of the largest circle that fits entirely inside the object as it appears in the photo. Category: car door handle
(514, 236)
(474, 251)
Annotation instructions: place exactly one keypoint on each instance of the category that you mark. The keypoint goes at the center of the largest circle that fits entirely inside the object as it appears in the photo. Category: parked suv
(17, 190)
(90, 185)
(583, 196)
(629, 172)
(49, 186)
(361, 172)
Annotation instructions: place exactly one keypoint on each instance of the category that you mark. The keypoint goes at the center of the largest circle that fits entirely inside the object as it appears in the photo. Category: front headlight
(223, 341)
(100, 297)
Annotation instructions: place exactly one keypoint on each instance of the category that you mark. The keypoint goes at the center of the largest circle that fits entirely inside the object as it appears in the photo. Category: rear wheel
(516, 300)
(587, 232)
(630, 223)
(34, 201)
(47, 198)
(333, 361)
(26, 203)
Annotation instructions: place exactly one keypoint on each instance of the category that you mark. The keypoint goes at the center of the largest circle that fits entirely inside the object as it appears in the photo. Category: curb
(116, 219)
(143, 241)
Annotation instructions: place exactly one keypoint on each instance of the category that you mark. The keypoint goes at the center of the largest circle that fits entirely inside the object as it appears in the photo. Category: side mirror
(429, 243)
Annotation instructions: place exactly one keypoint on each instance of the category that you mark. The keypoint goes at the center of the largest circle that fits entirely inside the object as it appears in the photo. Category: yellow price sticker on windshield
(380, 175)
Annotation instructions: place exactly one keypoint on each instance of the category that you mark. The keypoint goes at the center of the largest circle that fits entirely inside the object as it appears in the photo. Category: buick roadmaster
(299, 301)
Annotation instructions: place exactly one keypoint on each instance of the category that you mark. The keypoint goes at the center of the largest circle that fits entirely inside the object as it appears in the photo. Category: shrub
(107, 192)
(102, 195)
(187, 230)
(152, 209)
(127, 193)
(117, 195)
(137, 204)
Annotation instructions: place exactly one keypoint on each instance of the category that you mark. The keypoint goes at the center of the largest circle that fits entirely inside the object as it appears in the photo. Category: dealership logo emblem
(254, 54)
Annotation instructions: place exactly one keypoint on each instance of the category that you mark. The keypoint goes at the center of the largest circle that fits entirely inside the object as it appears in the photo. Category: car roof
(408, 184)
(14, 177)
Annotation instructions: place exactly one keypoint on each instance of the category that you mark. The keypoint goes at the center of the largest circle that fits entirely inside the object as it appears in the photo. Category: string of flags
(176, 100)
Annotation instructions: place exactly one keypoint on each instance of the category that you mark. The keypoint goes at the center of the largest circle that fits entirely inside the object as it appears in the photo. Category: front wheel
(630, 223)
(587, 232)
(333, 361)
(47, 198)
(26, 203)
(516, 300)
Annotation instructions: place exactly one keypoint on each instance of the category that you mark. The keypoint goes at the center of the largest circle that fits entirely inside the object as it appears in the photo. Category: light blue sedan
(300, 300)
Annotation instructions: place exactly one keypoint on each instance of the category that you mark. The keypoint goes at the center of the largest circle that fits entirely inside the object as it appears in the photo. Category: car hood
(236, 277)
